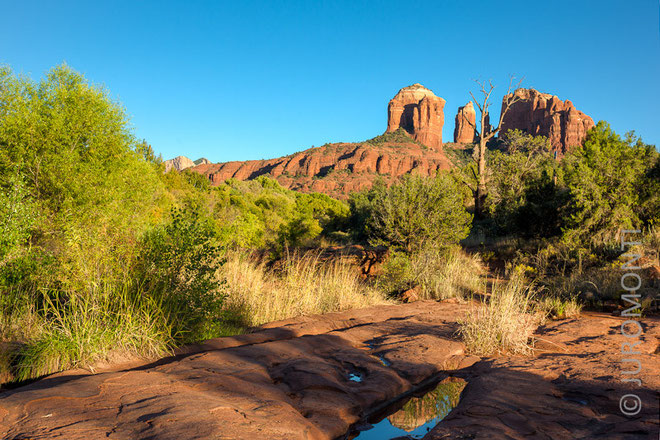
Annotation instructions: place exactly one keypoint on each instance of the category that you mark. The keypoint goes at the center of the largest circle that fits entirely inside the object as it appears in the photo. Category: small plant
(77, 331)
(504, 324)
(558, 308)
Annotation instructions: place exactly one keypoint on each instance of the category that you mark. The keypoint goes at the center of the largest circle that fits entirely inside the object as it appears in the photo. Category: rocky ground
(296, 379)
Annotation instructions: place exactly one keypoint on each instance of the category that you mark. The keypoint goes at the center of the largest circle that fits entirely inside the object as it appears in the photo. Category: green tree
(18, 213)
(605, 180)
(71, 145)
(484, 133)
(413, 213)
(522, 196)
(650, 193)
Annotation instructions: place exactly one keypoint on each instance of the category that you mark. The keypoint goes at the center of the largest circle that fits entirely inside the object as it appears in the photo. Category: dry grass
(558, 308)
(505, 323)
(303, 285)
(454, 274)
(440, 274)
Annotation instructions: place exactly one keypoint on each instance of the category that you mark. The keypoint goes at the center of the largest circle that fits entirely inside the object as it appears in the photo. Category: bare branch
(476, 102)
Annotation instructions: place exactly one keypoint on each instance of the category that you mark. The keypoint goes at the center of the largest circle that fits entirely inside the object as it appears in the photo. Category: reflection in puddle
(384, 361)
(417, 416)
(355, 377)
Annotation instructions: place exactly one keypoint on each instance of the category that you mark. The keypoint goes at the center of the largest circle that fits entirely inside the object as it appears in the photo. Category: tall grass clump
(299, 285)
(505, 323)
(77, 331)
(440, 273)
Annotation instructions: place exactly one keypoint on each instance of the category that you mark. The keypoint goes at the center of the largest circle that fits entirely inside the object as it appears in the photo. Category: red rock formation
(334, 169)
(418, 111)
(547, 115)
(464, 133)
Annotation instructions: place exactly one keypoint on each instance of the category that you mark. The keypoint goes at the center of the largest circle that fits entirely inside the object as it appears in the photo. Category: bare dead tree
(486, 133)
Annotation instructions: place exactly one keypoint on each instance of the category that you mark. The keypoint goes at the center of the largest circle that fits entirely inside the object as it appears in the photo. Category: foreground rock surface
(569, 390)
(291, 380)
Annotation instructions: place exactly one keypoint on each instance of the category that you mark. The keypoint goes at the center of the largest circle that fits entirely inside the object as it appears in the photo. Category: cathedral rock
(418, 111)
(543, 114)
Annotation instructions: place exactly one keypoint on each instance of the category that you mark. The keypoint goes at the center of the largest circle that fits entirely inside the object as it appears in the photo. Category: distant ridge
(180, 163)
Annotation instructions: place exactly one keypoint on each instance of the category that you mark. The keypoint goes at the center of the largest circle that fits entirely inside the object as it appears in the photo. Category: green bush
(263, 214)
(438, 273)
(413, 213)
(179, 267)
(606, 180)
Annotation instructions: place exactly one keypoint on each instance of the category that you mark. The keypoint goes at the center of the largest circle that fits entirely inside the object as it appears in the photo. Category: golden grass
(558, 308)
(454, 274)
(303, 285)
(440, 273)
(505, 323)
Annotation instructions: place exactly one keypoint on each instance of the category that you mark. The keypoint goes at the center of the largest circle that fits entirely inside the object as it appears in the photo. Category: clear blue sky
(249, 80)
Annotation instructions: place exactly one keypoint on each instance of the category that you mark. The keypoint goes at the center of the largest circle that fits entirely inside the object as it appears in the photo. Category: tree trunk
(480, 194)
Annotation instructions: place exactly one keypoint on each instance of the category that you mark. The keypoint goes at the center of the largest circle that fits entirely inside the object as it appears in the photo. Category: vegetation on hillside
(399, 136)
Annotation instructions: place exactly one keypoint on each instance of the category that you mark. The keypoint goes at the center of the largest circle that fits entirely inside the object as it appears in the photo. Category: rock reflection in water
(419, 414)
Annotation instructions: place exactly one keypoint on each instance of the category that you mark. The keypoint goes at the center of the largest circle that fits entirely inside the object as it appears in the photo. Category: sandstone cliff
(418, 111)
(335, 169)
(544, 114)
(464, 132)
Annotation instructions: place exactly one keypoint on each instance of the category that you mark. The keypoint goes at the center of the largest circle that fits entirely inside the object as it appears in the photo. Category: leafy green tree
(650, 194)
(522, 196)
(18, 213)
(146, 150)
(413, 213)
(71, 145)
(605, 181)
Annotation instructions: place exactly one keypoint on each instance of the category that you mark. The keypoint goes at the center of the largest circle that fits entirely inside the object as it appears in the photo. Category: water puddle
(380, 357)
(414, 417)
(355, 377)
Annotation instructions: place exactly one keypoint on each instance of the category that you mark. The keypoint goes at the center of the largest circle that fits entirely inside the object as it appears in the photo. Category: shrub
(556, 307)
(414, 213)
(263, 214)
(179, 267)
